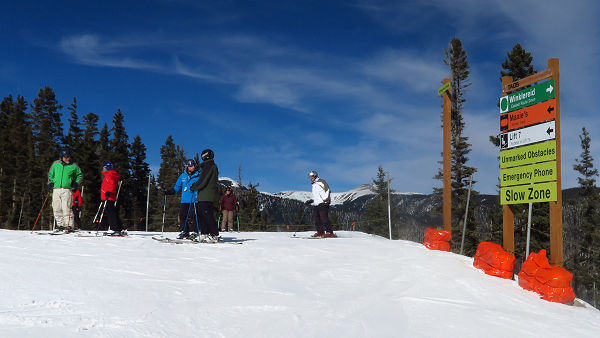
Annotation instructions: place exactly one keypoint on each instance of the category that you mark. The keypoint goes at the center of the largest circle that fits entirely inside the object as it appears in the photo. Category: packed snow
(272, 285)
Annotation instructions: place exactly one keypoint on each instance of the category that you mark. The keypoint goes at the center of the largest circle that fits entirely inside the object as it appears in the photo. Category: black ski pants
(76, 218)
(111, 219)
(320, 218)
(186, 211)
(206, 218)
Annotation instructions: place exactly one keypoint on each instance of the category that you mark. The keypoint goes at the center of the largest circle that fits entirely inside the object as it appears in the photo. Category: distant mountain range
(415, 211)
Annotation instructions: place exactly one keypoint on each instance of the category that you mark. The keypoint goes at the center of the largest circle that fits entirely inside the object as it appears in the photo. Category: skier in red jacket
(77, 202)
(108, 193)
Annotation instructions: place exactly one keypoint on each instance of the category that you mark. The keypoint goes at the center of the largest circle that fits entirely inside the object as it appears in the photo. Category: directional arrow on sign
(533, 134)
(550, 110)
(549, 89)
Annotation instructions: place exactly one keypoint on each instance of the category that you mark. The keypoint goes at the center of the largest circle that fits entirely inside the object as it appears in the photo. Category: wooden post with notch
(508, 214)
(447, 202)
(556, 235)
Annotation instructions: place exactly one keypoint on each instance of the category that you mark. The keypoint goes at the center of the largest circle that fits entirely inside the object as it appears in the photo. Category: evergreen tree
(170, 168)
(376, 210)
(74, 136)
(46, 126)
(16, 149)
(517, 64)
(585, 264)
(119, 156)
(456, 60)
(250, 215)
(47, 136)
(90, 165)
(140, 172)
(104, 144)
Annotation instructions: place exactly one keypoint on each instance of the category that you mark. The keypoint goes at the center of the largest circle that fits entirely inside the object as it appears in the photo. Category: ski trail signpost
(530, 151)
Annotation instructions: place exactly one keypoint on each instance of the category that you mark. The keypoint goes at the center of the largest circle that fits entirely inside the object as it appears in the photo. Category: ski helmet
(65, 153)
(313, 173)
(108, 165)
(190, 163)
(207, 154)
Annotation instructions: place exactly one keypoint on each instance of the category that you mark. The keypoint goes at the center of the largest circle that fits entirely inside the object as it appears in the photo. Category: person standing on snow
(77, 202)
(187, 210)
(227, 204)
(207, 195)
(321, 200)
(108, 194)
(63, 176)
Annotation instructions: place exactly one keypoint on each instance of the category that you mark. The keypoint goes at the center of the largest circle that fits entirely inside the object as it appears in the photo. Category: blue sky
(284, 87)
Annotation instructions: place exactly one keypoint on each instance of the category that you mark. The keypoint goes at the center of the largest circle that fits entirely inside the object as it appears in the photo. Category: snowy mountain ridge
(337, 198)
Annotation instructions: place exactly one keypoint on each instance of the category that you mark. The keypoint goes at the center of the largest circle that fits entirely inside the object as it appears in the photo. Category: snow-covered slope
(270, 286)
(336, 198)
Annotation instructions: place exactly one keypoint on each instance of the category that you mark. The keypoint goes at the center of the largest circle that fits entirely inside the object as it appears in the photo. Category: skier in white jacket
(321, 200)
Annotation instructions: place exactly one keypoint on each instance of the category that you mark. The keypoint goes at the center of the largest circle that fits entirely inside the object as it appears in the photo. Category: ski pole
(238, 222)
(118, 190)
(162, 230)
(97, 212)
(40, 213)
(80, 204)
(101, 216)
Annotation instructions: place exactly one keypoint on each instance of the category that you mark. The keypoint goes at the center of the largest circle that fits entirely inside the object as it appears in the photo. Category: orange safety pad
(494, 260)
(553, 283)
(437, 239)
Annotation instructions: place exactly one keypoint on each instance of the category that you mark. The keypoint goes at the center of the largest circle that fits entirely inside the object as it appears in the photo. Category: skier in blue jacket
(187, 211)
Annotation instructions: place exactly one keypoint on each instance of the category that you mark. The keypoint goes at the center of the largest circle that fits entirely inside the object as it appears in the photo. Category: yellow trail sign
(443, 88)
(533, 173)
(539, 152)
(529, 193)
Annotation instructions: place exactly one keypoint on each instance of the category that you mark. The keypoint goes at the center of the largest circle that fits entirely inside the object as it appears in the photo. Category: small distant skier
(228, 204)
(77, 202)
(108, 194)
(207, 195)
(187, 210)
(321, 200)
(63, 176)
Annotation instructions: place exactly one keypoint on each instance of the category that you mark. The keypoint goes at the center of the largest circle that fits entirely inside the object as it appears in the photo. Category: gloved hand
(107, 194)
(170, 191)
(74, 185)
(50, 186)
(309, 202)
(220, 207)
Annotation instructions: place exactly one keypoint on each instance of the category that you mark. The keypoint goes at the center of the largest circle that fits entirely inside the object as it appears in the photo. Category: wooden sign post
(530, 151)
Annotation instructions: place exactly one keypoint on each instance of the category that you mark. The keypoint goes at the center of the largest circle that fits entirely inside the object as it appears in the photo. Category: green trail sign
(443, 88)
(533, 173)
(539, 152)
(529, 96)
(529, 193)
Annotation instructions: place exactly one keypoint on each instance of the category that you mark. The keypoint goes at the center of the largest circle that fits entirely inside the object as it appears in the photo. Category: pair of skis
(189, 241)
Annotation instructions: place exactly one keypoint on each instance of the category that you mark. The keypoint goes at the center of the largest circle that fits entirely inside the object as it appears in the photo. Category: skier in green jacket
(63, 176)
